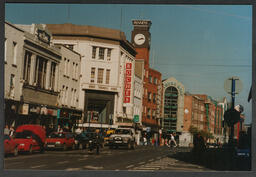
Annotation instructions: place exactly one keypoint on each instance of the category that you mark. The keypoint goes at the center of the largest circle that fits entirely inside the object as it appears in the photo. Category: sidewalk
(215, 159)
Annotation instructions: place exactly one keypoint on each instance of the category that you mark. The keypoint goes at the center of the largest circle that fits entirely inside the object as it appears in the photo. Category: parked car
(30, 138)
(10, 146)
(123, 137)
(60, 140)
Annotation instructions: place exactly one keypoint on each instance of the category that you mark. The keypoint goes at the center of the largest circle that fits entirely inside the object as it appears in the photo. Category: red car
(60, 140)
(30, 138)
(10, 146)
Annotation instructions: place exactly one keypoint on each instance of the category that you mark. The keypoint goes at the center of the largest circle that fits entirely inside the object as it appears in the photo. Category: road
(143, 158)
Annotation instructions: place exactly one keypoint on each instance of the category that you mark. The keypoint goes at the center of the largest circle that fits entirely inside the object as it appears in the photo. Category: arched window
(170, 108)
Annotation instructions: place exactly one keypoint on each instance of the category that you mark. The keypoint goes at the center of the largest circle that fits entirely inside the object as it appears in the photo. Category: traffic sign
(238, 85)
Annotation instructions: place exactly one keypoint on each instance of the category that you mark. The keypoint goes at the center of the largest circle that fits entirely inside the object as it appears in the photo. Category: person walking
(12, 131)
(173, 140)
(6, 130)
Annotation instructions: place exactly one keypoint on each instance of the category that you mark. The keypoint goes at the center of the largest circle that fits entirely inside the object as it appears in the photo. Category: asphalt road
(143, 158)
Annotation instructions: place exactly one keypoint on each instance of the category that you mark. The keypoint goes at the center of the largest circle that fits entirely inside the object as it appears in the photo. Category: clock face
(139, 39)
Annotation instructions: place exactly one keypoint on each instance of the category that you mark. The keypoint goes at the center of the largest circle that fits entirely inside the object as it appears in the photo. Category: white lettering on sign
(127, 82)
(141, 22)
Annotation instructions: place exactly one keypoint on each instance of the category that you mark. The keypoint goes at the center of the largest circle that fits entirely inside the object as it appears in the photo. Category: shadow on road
(215, 159)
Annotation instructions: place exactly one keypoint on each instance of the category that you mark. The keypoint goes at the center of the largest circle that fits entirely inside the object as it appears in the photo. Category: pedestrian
(59, 129)
(12, 131)
(173, 140)
(6, 130)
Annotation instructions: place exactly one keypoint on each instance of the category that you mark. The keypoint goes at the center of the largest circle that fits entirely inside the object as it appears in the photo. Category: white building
(69, 85)
(39, 78)
(13, 56)
(107, 61)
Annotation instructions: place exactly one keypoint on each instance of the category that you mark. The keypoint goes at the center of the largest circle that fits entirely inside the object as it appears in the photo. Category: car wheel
(64, 147)
(16, 151)
(129, 145)
(80, 146)
(30, 150)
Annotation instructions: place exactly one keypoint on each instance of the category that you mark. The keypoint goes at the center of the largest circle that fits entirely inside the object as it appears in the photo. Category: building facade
(38, 104)
(140, 39)
(69, 112)
(107, 73)
(173, 105)
(13, 57)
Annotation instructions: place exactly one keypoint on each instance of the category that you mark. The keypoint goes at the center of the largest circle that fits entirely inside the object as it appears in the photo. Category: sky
(201, 46)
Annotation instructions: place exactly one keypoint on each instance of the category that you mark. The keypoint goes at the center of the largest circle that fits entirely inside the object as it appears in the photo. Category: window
(41, 71)
(63, 94)
(14, 52)
(93, 52)
(66, 96)
(27, 66)
(149, 96)
(154, 98)
(150, 79)
(153, 114)
(52, 75)
(109, 55)
(92, 75)
(74, 70)
(65, 66)
(68, 68)
(107, 76)
(148, 113)
(75, 97)
(100, 76)
(155, 80)
(12, 85)
(101, 53)
(76, 76)
(5, 49)
(72, 96)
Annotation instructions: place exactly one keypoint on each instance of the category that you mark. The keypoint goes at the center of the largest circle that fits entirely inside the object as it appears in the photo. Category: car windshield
(122, 131)
(57, 135)
(22, 135)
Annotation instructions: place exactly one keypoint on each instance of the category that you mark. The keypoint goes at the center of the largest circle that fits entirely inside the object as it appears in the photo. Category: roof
(85, 30)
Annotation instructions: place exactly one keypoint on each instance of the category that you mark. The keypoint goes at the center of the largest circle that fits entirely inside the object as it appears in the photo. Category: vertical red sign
(127, 82)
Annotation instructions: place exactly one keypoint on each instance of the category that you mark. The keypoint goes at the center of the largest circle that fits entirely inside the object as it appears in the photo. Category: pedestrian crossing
(167, 164)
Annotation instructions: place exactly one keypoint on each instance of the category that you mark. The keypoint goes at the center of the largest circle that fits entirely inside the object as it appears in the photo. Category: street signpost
(233, 86)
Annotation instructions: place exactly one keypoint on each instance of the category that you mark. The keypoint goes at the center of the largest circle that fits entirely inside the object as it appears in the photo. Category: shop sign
(44, 111)
(136, 118)
(24, 109)
(35, 109)
(127, 83)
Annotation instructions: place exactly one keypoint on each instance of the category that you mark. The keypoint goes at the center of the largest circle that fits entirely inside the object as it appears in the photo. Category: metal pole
(232, 107)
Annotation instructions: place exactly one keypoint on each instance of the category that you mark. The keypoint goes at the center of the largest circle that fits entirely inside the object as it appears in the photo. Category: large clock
(139, 39)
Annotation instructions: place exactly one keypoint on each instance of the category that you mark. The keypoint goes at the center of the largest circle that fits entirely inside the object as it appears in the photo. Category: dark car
(60, 140)
(82, 140)
(10, 146)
